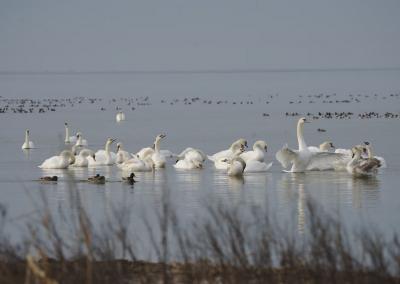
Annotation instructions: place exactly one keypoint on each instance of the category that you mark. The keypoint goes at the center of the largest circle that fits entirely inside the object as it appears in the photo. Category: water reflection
(332, 188)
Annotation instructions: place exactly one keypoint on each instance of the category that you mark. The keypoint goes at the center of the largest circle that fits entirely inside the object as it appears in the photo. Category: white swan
(154, 152)
(80, 142)
(120, 116)
(122, 155)
(236, 166)
(218, 157)
(61, 161)
(103, 157)
(68, 139)
(137, 165)
(360, 167)
(303, 159)
(323, 147)
(223, 163)
(259, 148)
(190, 158)
(27, 143)
(255, 159)
(81, 160)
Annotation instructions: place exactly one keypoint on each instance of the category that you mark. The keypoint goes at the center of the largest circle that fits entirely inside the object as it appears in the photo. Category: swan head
(119, 146)
(27, 131)
(78, 134)
(239, 143)
(261, 144)
(303, 120)
(160, 136)
(65, 124)
(326, 146)
(357, 150)
(110, 141)
(198, 164)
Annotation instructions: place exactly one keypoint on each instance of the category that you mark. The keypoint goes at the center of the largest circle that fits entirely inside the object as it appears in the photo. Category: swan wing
(286, 156)
(313, 149)
(220, 155)
(326, 161)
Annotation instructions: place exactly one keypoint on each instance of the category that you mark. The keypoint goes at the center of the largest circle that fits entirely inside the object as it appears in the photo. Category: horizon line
(193, 71)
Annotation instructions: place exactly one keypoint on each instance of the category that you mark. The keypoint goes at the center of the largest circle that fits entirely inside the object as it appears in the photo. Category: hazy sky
(202, 34)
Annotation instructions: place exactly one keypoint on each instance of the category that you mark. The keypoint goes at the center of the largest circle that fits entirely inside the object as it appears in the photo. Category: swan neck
(356, 157)
(26, 137)
(370, 152)
(157, 145)
(66, 134)
(300, 137)
(107, 148)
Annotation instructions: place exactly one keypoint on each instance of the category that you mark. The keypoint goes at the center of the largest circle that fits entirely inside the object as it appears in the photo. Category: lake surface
(238, 102)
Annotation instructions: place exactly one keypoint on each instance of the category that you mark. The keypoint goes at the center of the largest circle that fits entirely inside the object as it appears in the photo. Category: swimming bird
(229, 153)
(80, 142)
(360, 167)
(49, 178)
(27, 143)
(61, 161)
(97, 179)
(122, 155)
(236, 166)
(259, 148)
(104, 157)
(81, 160)
(68, 139)
(303, 159)
(159, 159)
(190, 158)
(120, 116)
(129, 179)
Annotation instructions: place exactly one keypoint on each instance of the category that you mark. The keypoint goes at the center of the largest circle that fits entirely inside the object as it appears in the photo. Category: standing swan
(59, 162)
(27, 144)
(303, 159)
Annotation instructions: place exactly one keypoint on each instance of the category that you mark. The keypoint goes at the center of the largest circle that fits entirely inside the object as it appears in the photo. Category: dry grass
(222, 247)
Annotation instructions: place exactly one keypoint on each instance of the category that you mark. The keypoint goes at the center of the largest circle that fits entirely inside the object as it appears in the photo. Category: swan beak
(113, 140)
(245, 144)
(332, 146)
(366, 143)
(265, 148)
(94, 157)
(163, 135)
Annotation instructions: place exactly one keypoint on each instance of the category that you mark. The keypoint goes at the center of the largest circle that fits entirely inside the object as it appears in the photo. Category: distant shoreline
(195, 71)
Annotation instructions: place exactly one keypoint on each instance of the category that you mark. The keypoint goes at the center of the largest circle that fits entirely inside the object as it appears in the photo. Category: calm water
(211, 127)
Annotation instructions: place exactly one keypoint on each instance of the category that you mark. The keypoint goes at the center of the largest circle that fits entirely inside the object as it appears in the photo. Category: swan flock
(358, 161)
